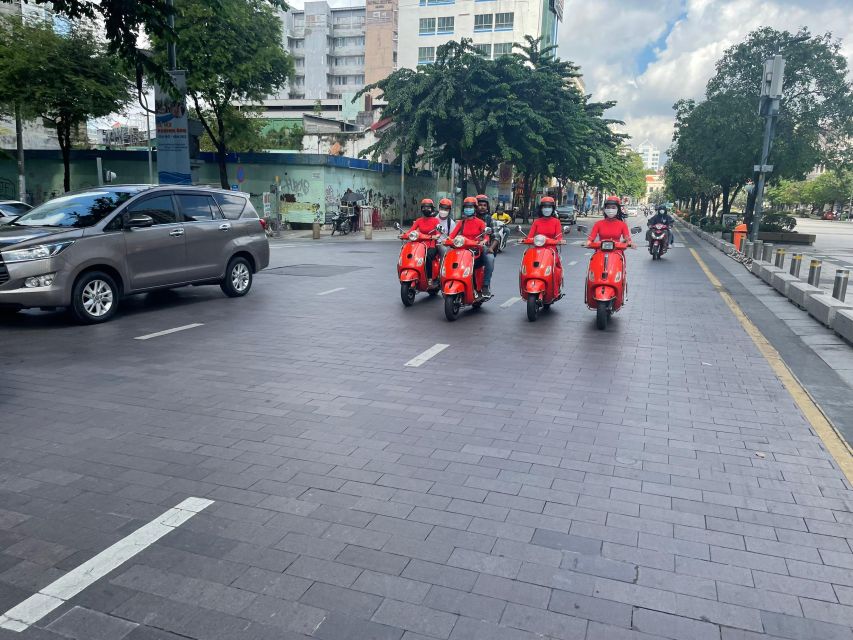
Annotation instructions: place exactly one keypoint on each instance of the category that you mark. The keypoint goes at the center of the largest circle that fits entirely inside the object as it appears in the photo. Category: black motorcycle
(343, 223)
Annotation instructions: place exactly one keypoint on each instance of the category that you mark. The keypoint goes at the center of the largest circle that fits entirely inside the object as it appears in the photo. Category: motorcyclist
(484, 210)
(661, 217)
(548, 224)
(446, 223)
(501, 216)
(472, 227)
(611, 227)
(427, 224)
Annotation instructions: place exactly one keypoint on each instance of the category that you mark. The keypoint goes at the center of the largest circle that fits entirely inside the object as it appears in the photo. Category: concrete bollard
(766, 252)
(756, 249)
(746, 248)
(780, 258)
(839, 287)
(315, 231)
(368, 230)
(814, 273)
(796, 263)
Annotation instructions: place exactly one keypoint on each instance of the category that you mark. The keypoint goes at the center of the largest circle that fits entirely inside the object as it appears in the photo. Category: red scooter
(658, 240)
(460, 281)
(606, 283)
(540, 281)
(411, 266)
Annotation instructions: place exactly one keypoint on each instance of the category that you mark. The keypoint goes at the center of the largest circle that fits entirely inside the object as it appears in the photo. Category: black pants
(430, 256)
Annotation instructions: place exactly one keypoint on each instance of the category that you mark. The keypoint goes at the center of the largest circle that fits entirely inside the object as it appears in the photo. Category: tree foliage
(232, 52)
(64, 78)
(718, 140)
(520, 108)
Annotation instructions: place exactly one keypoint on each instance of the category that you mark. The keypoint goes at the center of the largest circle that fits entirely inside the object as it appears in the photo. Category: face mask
(468, 211)
(610, 213)
(426, 212)
(443, 213)
(547, 211)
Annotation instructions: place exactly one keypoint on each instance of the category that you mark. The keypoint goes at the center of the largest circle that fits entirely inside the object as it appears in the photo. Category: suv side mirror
(140, 220)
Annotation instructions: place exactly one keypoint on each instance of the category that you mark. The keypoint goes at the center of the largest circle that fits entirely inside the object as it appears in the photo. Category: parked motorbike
(461, 283)
(343, 223)
(606, 284)
(540, 280)
(411, 266)
(658, 240)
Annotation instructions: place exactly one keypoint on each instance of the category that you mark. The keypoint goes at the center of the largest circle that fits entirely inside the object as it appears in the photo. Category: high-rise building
(650, 155)
(493, 25)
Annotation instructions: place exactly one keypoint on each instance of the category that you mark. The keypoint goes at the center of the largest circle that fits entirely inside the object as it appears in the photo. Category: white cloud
(606, 37)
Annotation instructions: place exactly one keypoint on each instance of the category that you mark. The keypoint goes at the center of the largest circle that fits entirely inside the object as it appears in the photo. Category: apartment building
(493, 25)
(650, 155)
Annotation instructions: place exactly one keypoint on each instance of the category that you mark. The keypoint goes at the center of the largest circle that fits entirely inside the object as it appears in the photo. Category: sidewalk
(287, 235)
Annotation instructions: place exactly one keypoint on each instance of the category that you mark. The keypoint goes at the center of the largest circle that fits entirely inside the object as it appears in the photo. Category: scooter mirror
(397, 226)
(520, 230)
(487, 230)
(567, 229)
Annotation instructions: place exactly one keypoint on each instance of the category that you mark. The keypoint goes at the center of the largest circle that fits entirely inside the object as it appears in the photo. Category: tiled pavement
(532, 480)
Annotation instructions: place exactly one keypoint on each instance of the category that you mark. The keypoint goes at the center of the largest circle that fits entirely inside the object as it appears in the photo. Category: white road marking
(168, 331)
(55, 594)
(433, 351)
(325, 293)
(573, 263)
(510, 302)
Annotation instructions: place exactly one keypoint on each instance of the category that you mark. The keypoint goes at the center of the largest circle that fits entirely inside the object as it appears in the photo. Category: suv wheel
(238, 278)
(94, 298)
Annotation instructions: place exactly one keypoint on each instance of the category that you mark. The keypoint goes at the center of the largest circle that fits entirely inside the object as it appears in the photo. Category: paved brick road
(532, 480)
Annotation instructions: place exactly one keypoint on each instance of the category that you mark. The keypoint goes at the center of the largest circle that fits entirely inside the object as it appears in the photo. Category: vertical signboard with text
(173, 148)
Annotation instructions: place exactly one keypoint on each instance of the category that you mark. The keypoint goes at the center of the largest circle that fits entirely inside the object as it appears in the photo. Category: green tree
(70, 78)
(284, 138)
(232, 52)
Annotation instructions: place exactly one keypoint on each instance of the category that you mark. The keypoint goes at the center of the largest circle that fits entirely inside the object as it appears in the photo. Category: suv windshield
(78, 210)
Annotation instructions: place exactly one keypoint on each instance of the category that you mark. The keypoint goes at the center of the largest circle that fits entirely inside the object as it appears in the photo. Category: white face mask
(547, 211)
(442, 213)
(610, 213)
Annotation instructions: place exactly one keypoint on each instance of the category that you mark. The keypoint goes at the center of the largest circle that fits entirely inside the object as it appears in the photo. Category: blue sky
(646, 54)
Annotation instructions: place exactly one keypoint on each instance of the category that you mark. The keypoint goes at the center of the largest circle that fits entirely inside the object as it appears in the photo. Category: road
(531, 480)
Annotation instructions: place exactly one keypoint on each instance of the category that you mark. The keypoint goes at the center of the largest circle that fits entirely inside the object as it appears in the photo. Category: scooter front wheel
(601, 316)
(532, 307)
(407, 294)
(452, 306)
(656, 252)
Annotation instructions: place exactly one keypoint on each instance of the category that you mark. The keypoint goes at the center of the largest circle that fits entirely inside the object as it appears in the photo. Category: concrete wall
(311, 184)
(318, 19)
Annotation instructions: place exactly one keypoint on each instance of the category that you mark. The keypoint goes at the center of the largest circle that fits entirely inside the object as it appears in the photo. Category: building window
(446, 24)
(483, 22)
(297, 43)
(299, 63)
(359, 79)
(426, 55)
(427, 26)
(299, 21)
(484, 50)
(425, 3)
(503, 49)
(504, 21)
(353, 41)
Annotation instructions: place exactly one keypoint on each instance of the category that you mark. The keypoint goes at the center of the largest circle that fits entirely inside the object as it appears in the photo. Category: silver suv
(87, 249)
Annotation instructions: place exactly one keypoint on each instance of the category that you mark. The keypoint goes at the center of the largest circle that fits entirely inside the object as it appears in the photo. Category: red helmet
(427, 201)
(483, 198)
(547, 200)
(445, 202)
(612, 200)
(427, 207)
(469, 200)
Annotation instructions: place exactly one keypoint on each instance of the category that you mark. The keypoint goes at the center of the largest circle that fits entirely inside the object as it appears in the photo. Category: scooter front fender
(452, 288)
(604, 293)
(409, 275)
(534, 285)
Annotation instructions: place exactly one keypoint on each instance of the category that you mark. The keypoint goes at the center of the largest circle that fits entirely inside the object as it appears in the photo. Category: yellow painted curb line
(832, 440)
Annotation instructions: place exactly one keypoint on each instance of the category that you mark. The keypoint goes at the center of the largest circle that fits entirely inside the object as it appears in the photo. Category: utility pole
(172, 47)
(402, 186)
(19, 142)
(769, 103)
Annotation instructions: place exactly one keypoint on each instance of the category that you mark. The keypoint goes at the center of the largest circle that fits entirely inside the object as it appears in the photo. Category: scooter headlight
(413, 235)
(458, 241)
(539, 241)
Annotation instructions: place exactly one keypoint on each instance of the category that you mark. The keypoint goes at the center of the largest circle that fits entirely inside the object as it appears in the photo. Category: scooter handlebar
(421, 236)
(549, 242)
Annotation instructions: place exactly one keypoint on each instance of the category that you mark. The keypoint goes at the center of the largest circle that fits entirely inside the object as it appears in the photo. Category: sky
(646, 54)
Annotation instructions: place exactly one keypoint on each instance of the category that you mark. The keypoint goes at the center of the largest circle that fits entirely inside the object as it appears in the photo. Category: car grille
(4, 272)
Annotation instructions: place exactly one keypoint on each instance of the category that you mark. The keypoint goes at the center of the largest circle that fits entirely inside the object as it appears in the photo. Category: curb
(832, 313)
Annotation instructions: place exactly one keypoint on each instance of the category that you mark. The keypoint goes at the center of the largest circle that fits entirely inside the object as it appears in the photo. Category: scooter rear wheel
(407, 294)
(601, 316)
(452, 306)
(532, 307)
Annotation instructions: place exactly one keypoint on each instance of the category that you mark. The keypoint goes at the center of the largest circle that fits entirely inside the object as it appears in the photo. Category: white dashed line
(510, 302)
(57, 593)
(433, 351)
(325, 293)
(573, 263)
(168, 331)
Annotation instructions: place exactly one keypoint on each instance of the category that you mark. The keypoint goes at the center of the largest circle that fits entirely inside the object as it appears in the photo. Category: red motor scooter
(658, 240)
(411, 266)
(606, 283)
(540, 281)
(460, 281)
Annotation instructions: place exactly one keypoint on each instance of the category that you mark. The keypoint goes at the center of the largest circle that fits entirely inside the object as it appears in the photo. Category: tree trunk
(525, 205)
(727, 205)
(63, 135)
(221, 151)
(19, 144)
(703, 200)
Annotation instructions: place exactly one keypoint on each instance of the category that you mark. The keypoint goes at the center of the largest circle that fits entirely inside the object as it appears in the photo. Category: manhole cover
(313, 270)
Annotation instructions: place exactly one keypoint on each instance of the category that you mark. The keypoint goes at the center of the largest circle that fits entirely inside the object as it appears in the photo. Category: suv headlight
(38, 252)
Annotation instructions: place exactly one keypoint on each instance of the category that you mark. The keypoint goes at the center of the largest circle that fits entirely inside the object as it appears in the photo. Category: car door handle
(177, 232)
(225, 227)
